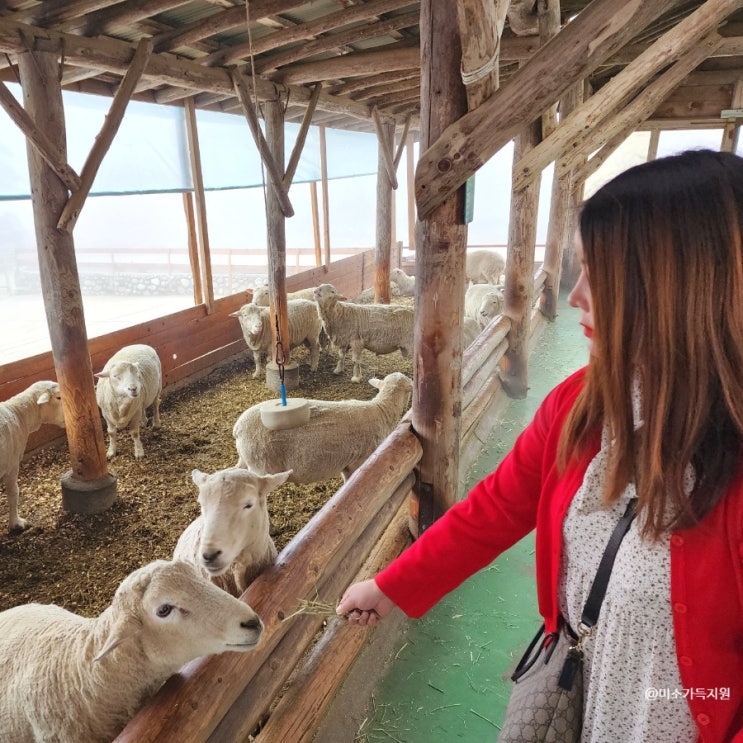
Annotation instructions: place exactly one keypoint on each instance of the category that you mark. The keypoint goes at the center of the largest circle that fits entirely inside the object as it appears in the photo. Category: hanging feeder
(283, 413)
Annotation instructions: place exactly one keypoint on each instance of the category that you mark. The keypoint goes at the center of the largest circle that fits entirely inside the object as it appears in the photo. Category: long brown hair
(663, 248)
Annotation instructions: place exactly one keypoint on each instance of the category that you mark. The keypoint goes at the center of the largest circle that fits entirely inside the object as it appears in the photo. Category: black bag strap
(601, 581)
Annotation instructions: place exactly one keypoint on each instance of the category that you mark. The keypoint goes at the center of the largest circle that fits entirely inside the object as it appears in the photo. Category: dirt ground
(78, 561)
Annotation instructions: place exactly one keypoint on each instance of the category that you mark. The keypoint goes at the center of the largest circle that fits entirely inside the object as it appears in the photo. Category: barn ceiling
(365, 54)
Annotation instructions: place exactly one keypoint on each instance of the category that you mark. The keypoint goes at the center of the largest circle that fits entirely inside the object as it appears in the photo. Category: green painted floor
(449, 677)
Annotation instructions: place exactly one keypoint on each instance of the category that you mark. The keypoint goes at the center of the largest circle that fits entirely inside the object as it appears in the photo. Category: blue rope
(283, 394)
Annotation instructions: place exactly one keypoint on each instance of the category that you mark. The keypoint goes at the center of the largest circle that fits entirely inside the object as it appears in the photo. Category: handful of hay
(313, 606)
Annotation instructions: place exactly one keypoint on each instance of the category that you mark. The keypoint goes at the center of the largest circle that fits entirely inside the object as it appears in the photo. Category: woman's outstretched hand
(365, 604)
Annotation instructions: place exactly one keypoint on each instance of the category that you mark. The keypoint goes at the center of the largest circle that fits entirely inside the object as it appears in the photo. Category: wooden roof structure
(364, 54)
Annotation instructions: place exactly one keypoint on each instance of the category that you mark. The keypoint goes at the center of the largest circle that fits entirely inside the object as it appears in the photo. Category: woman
(658, 415)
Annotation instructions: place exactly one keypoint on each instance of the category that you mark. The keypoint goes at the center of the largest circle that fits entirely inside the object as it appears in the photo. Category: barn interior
(566, 82)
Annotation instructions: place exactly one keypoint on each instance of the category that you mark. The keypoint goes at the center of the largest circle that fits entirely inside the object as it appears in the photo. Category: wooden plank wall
(190, 342)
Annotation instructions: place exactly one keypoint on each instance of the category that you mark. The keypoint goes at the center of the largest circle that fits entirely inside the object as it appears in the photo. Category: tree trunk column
(87, 487)
(441, 243)
(384, 218)
(276, 231)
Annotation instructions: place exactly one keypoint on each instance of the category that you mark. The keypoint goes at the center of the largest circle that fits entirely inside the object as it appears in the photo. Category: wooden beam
(315, 223)
(731, 131)
(286, 181)
(548, 16)
(335, 41)
(409, 183)
(385, 154)
(102, 143)
(325, 197)
(42, 97)
(311, 29)
(220, 22)
(618, 90)
(384, 210)
(653, 145)
(401, 143)
(439, 277)
(349, 65)
(44, 146)
(582, 45)
(481, 24)
(275, 174)
(642, 105)
(162, 69)
(193, 247)
(205, 261)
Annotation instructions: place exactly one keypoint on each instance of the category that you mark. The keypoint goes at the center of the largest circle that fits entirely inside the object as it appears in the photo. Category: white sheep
(470, 331)
(20, 416)
(304, 328)
(380, 328)
(484, 266)
(339, 437)
(68, 678)
(230, 541)
(405, 284)
(261, 295)
(483, 302)
(131, 382)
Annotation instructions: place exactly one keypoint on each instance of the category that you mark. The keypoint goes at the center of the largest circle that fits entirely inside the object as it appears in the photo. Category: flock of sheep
(170, 612)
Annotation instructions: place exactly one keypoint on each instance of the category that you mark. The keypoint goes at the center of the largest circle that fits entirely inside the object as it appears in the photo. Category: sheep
(304, 328)
(405, 284)
(261, 294)
(470, 331)
(482, 303)
(230, 541)
(68, 678)
(20, 416)
(380, 328)
(338, 438)
(131, 382)
(484, 266)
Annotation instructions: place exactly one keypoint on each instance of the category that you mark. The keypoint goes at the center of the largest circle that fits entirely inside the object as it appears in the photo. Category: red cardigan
(525, 492)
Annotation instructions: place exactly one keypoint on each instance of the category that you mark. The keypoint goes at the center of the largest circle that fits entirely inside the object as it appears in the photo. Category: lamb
(380, 328)
(131, 382)
(405, 284)
(339, 437)
(484, 266)
(20, 416)
(482, 303)
(304, 328)
(68, 678)
(230, 541)
(261, 294)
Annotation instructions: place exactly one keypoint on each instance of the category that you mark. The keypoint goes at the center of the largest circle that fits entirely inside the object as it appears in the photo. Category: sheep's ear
(374, 382)
(198, 477)
(271, 482)
(43, 397)
(120, 632)
(102, 375)
(236, 313)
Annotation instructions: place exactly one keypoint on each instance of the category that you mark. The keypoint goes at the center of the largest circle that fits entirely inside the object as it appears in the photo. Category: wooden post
(560, 199)
(439, 297)
(87, 487)
(522, 233)
(325, 204)
(194, 154)
(386, 140)
(193, 247)
(273, 115)
(315, 223)
(410, 185)
(653, 145)
(731, 132)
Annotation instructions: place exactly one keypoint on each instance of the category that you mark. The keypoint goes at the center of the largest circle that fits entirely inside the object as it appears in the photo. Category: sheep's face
(50, 405)
(325, 293)
(234, 511)
(183, 616)
(252, 321)
(125, 379)
(491, 307)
